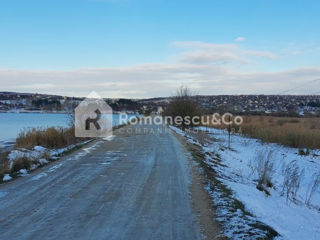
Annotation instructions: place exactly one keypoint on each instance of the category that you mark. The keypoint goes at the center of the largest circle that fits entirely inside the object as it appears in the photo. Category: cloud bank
(207, 68)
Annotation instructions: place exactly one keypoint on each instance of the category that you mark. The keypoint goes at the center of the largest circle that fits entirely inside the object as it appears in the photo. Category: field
(288, 131)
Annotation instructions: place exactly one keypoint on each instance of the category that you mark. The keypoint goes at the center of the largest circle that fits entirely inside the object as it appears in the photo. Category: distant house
(160, 110)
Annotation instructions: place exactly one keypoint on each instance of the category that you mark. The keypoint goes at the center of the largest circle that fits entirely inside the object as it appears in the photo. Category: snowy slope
(237, 169)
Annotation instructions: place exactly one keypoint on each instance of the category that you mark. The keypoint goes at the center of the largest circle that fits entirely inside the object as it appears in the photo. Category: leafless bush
(315, 184)
(292, 179)
(201, 136)
(183, 105)
(265, 169)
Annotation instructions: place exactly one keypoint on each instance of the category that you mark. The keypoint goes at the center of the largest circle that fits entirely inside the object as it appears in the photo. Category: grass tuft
(21, 163)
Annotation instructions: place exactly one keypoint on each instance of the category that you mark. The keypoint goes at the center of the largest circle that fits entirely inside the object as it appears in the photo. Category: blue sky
(49, 42)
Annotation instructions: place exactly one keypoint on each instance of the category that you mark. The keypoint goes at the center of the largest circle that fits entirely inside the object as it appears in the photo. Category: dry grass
(313, 187)
(18, 163)
(49, 138)
(4, 164)
(21, 163)
(289, 131)
(292, 180)
(200, 136)
(265, 169)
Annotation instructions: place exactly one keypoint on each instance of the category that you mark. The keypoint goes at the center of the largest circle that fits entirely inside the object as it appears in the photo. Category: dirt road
(136, 186)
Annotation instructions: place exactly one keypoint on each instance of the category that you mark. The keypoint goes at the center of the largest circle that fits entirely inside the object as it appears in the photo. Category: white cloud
(264, 54)
(294, 49)
(197, 66)
(202, 53)
(211, 56)
(203, 45)
(151, 80)
(240, 39)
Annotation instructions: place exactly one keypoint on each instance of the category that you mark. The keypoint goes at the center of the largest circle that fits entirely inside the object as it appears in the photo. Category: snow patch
(54, 168)
(37, 177)
(23, 172)
(6, 178)
(109, 138)
(43, 161)
(37, 154)
(32, 155)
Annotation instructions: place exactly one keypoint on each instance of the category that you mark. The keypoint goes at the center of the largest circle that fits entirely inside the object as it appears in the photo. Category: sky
(148, 48)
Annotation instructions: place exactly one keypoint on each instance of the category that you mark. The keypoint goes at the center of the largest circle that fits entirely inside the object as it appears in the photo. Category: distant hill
(294, 105)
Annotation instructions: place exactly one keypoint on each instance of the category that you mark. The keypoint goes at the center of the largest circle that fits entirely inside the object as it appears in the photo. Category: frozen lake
(12, 123)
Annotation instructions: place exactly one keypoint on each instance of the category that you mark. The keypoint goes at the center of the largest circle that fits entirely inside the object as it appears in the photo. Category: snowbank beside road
(294, 217)
(36, 157)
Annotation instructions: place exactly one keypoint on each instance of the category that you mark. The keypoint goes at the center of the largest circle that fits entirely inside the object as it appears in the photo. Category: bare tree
(183, 105)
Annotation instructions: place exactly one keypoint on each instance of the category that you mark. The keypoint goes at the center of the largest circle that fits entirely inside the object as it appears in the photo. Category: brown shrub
(49, 138)
(21, 163)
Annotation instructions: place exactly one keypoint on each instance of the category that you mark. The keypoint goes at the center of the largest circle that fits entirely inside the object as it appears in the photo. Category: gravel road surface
(135, 186)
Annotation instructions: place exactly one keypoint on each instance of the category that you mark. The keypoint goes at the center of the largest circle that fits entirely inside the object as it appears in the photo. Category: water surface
(11, 124)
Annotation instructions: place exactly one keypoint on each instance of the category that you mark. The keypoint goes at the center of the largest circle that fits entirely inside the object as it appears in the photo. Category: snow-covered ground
(38, 157)
(238, 168)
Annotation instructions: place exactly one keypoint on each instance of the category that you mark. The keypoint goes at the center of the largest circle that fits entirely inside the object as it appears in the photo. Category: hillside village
(29, 102)
(288, 105)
